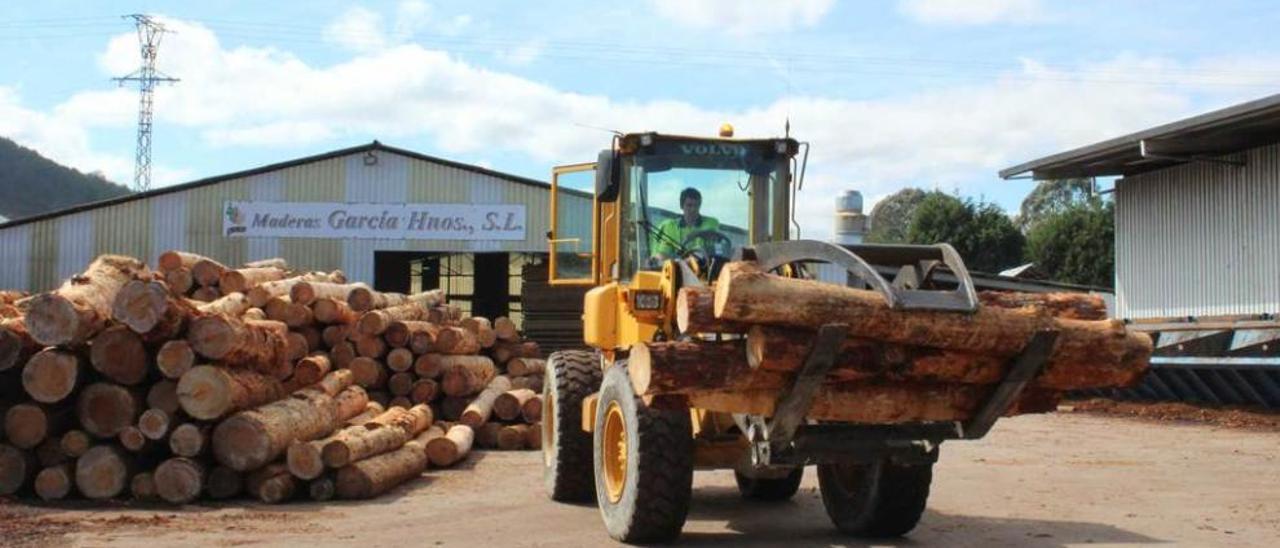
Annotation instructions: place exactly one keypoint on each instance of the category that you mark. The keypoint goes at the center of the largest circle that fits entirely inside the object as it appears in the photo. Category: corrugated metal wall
(37, 256)
(1200, 239)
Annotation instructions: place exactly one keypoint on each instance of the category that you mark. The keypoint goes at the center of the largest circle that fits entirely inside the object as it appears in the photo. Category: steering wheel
(711, 241)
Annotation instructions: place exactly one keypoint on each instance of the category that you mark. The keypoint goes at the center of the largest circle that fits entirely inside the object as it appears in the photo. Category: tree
(1050, 197)
(1077, 244)
(983, 235)
(891, 216)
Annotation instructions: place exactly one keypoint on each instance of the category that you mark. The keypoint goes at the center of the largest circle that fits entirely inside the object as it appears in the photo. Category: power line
(150, 32)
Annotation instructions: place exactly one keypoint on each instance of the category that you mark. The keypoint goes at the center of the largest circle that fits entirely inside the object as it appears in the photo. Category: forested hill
(31, 184)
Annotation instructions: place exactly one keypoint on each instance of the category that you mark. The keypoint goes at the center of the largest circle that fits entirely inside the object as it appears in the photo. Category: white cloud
(357, 29)
(744, 16)
(363, 30)
(972, 12)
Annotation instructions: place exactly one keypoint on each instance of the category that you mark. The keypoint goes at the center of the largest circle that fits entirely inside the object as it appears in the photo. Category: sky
(936, 94)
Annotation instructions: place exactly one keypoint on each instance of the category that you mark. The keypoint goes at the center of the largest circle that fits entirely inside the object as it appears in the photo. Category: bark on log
(509, 405)
(206, 294)
(480, 409)
(244, 279)
(401, 384)
(208, 392)
(513, 437)
(190, 439)
(16, 345)
(298, 315)
(421, 336)
(519, 367)
(180, 281)
(466, 375)
(746, 295)
(482, 328)
(695, 313)
(260, 345)
(1073, 306)
(505, 329)
(371, 410)
(377, 475)
(55, 482)
(375, 322)
(259, 295)
(376, 437)
(273, 262)
(163, 395)
(278, 309)
(27, 425)
(335, 334)
(456, 340)
(311, 369)
(363, 299)
(106, 409)
(81, 307)
(51, 375)
(369, 346)
(452, 447)
(179, 480)
(424, 391)
(119, 355)
(175, 358)
(305, 459)
(400, 360)
(678, 367)
(223, 483)
(207, 271)
(149, 308)
(174, 260)
(330, 310)
(271, 484)
(17, 467)
(75, 443)
(253, 438)
(143, 487)
(888, 403)
(155, 424)
(103, 472)
(504, 352)
(230, 304)
(369, 373)
(304, 292)
(532, 382)
(531, 411)
(254, 314)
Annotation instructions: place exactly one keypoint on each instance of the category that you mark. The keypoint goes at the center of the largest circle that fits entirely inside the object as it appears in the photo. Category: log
(504, 352)
(466, 375)
(452, 447)
(533, 436)
(479, 410)
(510, 405)
(271, 484)
(400, 401)
(190, 439)
(456, 340)
(487, 435)
(423, 391)
(520, 367)
(322, 488)
(180, 281)
(143, 486)
(209, 392)
(223, 483)
(375, 322)
(369, 373)
(363, 299)
(229, 304)
(333, 311)
(505, 329)
(81, 307)
(244, 279)
(134, 441)
(179, 480)
(746, 295)
(298, 315)
(377, 475)
(296, 348)
(206, 294)
(119, 355)
(148, 307)
(261, 345)
(175, 358)
(401, 384)
(75, 443)
(531, 411)
(1073, 306)
(51, 375)
(251, 439)
(174, 260)
(371, 409)
(207, 272)
(278, 309)
(400, 333)
(273, 262)
(369, 346)
(16, 345)
(55, 482)
(400, 360)
(311, 369)
(17, 467)
(532, 382)
(446, 314)
(155, 423)
(258, 296)
(103, 472)
(376, 437)
(254, 314)
(451, 407)
(695, 313)
(513, 437)
(306, 291)
(422, 337)
(311, 334)
(163, 395)
(305, 459)
(342, 354)
(482, 328)
(880, 403)
(27, 425)
(335, 334)
(106, 409)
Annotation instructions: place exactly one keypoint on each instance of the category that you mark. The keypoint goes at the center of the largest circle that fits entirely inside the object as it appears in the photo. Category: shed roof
(1210, 135)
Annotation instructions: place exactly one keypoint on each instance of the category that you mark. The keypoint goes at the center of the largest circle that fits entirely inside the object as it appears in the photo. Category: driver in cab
(672, 232)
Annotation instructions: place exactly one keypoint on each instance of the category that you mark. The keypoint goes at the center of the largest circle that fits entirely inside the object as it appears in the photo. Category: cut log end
(102, 472)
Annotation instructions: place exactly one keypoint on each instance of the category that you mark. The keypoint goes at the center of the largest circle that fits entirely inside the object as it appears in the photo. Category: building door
(492, 285)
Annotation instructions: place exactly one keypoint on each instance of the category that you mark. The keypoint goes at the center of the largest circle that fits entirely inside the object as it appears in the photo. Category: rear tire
(643, 463)
(875, 500)
(770, 489)
(571, 376)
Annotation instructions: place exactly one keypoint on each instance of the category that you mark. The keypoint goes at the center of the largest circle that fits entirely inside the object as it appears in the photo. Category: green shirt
(673, 231)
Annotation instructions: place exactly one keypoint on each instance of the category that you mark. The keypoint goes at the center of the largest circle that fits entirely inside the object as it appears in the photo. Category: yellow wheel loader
(622, 226)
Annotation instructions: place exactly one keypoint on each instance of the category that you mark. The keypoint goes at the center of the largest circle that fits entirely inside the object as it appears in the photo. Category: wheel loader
(635, 456)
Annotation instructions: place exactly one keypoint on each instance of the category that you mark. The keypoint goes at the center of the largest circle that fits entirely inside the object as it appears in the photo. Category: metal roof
(371, 147)
(1207, 136)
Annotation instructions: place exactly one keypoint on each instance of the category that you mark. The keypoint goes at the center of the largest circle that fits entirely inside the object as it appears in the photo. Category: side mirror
(607, 176)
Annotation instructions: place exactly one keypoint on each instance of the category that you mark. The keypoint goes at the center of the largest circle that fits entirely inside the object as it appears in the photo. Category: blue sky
(892, 93)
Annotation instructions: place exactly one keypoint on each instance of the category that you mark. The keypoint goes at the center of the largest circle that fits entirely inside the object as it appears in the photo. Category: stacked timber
(198, 380)
(894, 365)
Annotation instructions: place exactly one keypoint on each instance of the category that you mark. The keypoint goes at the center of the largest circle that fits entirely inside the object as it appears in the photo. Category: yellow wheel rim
(614, 452)
(548, 426)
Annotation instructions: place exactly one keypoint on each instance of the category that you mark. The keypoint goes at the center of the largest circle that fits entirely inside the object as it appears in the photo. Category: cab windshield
(735, 185)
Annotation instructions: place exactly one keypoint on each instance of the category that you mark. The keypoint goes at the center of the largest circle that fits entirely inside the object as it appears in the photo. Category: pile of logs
(894, 366)
(197, 380)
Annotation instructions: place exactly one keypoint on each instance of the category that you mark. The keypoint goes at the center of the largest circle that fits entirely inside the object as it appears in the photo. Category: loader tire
(769, 489)
(643, 464)
(875, 500)
(571, 376)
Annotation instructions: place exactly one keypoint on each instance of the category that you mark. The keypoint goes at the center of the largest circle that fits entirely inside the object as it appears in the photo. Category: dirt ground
(1066, 479)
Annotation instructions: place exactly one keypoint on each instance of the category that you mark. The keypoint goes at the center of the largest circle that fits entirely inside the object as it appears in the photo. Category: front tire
(875, 500)
(769, 489)
(643, 463)
(570, 377)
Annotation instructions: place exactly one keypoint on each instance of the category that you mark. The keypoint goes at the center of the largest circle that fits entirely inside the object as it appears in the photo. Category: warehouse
(395, 219)
(1197, 232)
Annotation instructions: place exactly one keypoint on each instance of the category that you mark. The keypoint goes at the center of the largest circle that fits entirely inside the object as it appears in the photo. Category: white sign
(370, 221)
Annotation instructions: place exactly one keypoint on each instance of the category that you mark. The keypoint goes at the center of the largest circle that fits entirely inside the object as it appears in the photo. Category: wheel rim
(548, 426)
(614, 452)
